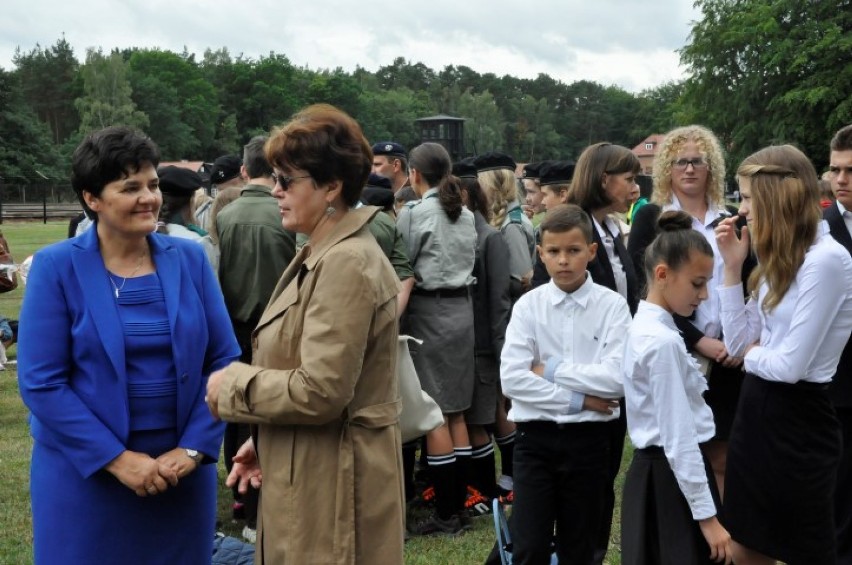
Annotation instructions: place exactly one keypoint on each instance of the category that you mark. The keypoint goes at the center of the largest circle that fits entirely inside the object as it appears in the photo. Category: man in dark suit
(839, 218)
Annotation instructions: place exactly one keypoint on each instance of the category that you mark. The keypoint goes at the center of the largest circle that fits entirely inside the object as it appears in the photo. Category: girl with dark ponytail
(670, 503)
(441, 239)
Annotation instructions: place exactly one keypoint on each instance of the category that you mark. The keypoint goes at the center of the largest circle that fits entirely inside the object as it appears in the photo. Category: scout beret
(225, 168)
(533, 170)
(379, 181)
(465, 169)
(178, 180)
(494, 161)
(556, 172)
(389, 148)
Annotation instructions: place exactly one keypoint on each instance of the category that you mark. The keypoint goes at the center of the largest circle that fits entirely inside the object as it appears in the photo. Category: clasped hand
(147, 476)
(590, 402)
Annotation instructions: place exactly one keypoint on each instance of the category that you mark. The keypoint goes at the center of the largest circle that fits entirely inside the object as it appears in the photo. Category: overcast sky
(622, 42)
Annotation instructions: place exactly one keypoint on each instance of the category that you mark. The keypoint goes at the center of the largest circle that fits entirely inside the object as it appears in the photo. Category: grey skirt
(444, 362)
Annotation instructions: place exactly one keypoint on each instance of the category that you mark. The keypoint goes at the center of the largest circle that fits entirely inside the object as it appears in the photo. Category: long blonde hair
(709, 147)
(785, 204)
(501, 188)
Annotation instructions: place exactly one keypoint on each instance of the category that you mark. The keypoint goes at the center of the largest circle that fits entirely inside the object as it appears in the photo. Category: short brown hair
(328, 144)
(842, 140)
(566, 217)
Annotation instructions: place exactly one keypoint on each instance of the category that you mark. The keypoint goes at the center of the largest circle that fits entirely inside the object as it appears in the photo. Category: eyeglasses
(285, 182)
(697, 163)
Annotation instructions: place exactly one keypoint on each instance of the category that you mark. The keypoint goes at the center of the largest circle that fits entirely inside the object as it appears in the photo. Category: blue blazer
(71, 365)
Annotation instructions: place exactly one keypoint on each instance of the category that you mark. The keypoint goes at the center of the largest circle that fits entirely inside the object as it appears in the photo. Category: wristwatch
(195, 455)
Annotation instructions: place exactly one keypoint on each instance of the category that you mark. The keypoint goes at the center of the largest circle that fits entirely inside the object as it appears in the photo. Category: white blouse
(663, 389)
(803, 337)
(579, 337)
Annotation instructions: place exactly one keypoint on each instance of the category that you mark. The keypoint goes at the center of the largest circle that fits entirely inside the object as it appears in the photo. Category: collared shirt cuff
(550, 368)
(731, 297)
(577, 400)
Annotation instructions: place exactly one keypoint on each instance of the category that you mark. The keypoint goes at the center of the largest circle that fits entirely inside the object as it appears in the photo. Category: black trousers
(561, 475)
(843, 490)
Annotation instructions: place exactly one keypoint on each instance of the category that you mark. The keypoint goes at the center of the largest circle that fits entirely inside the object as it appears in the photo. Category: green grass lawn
(15, 446)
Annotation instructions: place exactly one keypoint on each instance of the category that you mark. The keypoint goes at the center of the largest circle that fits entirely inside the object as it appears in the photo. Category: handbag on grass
(420, 413)
(8, 278)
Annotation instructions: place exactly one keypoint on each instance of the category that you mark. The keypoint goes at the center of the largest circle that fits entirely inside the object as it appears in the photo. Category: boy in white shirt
(561, 367)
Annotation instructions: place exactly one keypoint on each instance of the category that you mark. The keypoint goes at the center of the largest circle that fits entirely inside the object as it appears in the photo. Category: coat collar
(285, 294)
(99, 297)
(837, 225)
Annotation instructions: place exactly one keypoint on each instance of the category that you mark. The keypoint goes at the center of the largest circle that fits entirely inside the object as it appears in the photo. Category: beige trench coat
(322, 391)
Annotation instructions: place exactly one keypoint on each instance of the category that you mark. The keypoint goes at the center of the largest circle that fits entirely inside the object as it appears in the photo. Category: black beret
(378, 181)
(556, 172)
(389, 148)
(178, 180)
(225, 168)
(533, 170)
(494, 161)
(465, 169)
(375, 196)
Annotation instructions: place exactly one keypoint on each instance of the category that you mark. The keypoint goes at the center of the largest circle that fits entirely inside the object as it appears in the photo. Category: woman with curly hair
(784, 445)
(689, 175)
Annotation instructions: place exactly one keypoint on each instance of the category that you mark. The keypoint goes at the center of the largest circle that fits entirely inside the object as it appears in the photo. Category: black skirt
(783, 454)
(722, 396)
(657, 526)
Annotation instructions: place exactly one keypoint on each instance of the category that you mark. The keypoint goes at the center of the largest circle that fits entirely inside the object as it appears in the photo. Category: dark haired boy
(560, 366)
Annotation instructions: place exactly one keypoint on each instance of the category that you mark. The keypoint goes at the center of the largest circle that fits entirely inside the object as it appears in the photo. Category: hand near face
(733, 249)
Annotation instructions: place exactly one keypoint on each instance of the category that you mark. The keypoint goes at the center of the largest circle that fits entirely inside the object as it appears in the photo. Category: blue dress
(99, 520)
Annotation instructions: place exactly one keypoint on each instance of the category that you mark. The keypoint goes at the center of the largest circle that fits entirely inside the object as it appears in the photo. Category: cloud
(612, 42)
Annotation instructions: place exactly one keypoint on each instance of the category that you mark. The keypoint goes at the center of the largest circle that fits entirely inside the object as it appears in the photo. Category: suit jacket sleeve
(499, 298)
(202, 432)
(332, 349)
(45, 357)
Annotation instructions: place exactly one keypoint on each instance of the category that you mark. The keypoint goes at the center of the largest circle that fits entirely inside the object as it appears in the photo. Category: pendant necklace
(117, 288)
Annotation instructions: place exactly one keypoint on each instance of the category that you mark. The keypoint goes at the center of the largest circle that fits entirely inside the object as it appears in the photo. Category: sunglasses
(286, 182)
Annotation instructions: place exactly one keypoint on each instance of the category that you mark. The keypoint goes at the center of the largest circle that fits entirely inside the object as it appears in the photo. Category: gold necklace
(117, 288)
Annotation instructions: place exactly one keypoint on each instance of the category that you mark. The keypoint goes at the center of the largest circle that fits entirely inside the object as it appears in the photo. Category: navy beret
(556, 172)
(375, 196)
(389, 148)
(465, 169)
(225, 168)
(178, 180)
(378, 181)
(533, 170)
(494, 161)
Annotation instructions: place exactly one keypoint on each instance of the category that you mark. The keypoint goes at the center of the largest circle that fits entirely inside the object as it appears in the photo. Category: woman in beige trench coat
(322, 389)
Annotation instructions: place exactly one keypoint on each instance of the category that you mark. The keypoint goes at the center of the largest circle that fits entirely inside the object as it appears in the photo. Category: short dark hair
(327, 143)
(842, 140)
(254, 158)
(108, 155)
(566, 217)
(587, 185)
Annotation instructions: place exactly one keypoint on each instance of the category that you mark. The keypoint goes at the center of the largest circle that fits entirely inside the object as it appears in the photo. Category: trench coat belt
(375, 416)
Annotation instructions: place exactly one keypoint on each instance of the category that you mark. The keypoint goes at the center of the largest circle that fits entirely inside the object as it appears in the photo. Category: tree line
(757, 73)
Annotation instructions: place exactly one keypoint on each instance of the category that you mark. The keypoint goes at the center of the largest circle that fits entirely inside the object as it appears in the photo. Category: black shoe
(435, 526)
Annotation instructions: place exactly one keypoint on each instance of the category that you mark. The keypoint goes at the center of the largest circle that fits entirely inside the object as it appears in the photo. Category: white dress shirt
(607, 232)
(579, 336)
(663, 389)
(708, 316)
(803, 336)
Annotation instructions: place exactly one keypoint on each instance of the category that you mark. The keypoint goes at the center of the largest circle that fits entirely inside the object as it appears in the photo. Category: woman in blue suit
(119, 330)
